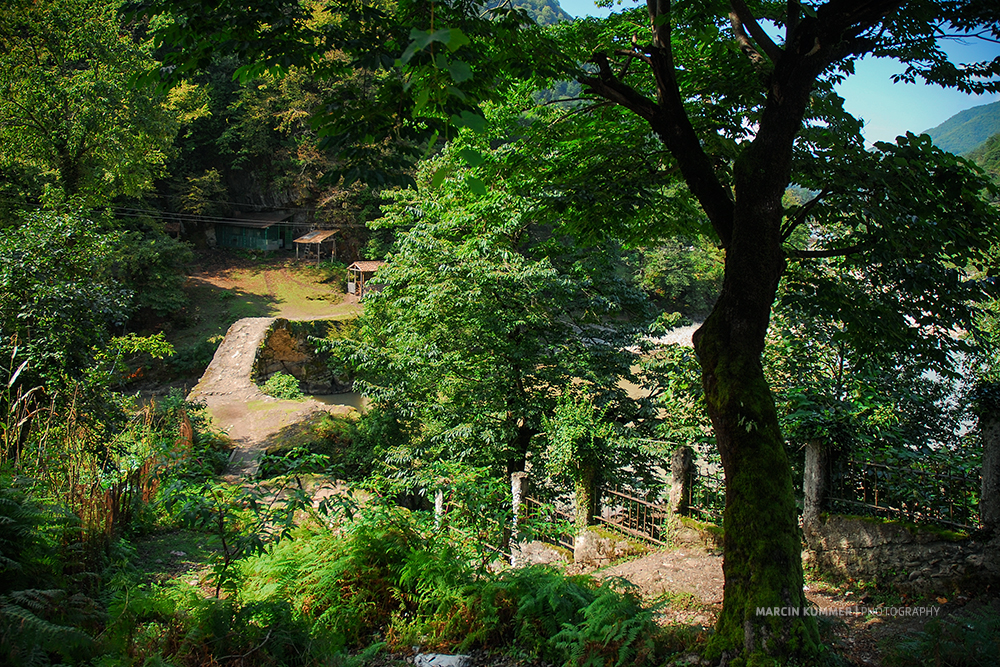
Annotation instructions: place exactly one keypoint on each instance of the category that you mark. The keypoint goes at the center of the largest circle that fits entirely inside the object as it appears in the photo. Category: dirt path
(690, 583)
(237, 405)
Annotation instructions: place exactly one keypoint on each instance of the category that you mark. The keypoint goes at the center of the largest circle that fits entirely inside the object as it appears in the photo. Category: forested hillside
(967, 129)
(430, 431)
(546, 12)
(987, 156)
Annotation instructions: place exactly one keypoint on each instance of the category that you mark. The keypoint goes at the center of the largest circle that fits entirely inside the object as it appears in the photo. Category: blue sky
(888, 109)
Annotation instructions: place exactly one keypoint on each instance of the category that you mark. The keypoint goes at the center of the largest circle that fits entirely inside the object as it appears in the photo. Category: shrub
(283, 386)
(961, 640)
(389, 577)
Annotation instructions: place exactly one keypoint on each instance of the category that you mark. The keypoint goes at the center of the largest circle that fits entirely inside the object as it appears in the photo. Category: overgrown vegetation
(539, 248)
(964, 639)
(283, 386)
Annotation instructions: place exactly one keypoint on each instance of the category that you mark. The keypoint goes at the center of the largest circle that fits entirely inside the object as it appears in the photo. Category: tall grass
(73, 479)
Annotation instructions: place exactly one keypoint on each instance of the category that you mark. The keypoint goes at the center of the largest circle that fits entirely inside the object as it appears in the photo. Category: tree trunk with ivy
(584, 495)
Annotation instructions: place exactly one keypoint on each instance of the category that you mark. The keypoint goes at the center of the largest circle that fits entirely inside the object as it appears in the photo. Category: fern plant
(35, 623)
(962, 640)
(391, 576)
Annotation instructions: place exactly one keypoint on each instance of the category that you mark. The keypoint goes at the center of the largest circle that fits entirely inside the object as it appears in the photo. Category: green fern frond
(25, 635)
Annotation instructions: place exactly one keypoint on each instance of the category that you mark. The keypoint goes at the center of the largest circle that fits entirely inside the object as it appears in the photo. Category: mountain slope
(987, 156)
(967, 129)
(545, 12)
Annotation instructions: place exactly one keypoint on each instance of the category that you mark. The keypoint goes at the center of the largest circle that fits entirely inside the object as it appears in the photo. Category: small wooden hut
(317, 241)
(358, 275)
(255, 231)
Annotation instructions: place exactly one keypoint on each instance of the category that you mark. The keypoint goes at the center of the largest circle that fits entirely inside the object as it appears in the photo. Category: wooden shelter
(255, 231)
(358, 275)
(316, 241)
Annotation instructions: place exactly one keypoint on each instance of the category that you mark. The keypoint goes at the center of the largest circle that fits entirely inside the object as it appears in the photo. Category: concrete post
(813, 485)
(519, 490)
(989, 500)
(681, 467)
(438, 507)
(520, 487)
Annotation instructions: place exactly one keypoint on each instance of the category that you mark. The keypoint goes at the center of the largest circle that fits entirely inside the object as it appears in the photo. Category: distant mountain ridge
(967, 129)
(545, 12)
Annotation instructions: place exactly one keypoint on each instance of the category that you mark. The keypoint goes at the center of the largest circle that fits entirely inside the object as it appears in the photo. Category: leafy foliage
(483, 320)
(685, 275)
(283, 386)
(244, 519)
(176, 625)
(386, 577)
(37, 623)
(60, 297)
(72, 125)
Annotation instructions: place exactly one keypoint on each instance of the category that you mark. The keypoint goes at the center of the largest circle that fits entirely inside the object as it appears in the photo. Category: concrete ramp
(238, 406)
(231, 370)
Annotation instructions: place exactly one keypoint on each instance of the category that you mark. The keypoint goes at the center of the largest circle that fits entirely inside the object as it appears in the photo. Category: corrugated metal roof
(366, 266)
(316, 236)
(257, 220)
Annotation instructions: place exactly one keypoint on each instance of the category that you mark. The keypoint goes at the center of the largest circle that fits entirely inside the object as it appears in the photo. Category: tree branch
(669, 120)
(746, 19)
(833, 252)
(746, 45)
(792, 14)
(574, 112)
(607, 85)
(661, 26)
(802, 214)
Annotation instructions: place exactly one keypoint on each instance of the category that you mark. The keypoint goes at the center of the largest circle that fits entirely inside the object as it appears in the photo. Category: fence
(907, 493)
(912, 494)
(547, 523)
(634, 516)
(707, 496)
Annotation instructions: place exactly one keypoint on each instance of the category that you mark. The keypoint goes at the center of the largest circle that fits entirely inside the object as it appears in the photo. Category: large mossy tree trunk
(762, 547)
(762, 543)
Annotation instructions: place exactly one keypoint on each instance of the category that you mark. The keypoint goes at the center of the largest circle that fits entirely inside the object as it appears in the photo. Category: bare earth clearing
(687, 580)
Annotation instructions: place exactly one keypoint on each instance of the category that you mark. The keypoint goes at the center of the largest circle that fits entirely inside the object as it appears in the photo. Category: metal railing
(707, 495)
(634, 516)
(547, 523)
(911, 494)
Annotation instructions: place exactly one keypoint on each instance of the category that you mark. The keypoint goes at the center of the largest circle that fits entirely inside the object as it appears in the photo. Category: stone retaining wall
(912, 559)
(287, 349)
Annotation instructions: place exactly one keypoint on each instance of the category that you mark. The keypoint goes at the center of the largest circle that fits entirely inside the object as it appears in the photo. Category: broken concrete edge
(709, 533)
(600, 547)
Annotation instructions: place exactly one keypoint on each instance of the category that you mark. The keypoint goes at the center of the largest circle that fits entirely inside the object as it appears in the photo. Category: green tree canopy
(72, 125)
(485, 319)
(60, 298)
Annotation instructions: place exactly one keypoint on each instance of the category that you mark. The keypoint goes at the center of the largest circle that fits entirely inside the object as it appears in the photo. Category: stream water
(349, 399)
